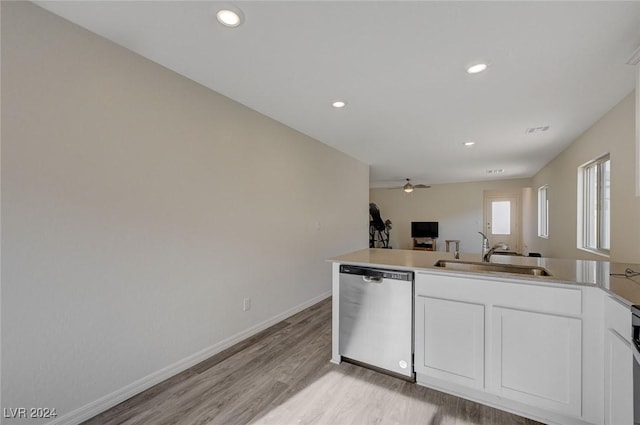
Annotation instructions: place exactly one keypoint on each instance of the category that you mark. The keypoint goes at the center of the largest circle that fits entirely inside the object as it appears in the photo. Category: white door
(502, 219)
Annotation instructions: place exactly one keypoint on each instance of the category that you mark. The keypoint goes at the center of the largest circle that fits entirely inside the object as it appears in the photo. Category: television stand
(424, 244)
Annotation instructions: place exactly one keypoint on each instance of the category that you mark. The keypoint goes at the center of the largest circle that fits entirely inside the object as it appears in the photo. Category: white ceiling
(401, 68)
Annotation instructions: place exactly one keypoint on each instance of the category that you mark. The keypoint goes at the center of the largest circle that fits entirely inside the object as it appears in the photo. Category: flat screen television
(424, 229)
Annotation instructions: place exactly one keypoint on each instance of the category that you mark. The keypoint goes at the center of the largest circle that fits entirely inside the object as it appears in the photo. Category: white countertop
(563, 271)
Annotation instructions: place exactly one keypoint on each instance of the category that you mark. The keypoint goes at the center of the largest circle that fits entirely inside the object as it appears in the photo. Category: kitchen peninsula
(554, 347)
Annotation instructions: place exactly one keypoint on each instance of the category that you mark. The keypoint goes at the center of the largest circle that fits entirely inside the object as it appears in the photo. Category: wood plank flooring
(282, 376)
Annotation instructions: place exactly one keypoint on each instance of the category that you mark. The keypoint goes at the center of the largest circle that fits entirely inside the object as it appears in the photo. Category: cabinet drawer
(617, 317)
(518, 295)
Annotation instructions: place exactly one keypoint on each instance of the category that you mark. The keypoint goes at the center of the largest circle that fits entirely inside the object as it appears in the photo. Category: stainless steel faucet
(488, 252)
(485, 247)
(487, 257)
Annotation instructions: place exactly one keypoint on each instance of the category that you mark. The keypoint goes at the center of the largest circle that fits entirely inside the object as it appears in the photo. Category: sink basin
(471, 266)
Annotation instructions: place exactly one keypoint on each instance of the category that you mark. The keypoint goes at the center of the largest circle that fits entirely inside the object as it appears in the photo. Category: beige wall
(457, 207)
(613, 133)
(138, 210)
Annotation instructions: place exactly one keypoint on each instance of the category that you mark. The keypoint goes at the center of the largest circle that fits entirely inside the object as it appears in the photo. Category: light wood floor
(283, 376)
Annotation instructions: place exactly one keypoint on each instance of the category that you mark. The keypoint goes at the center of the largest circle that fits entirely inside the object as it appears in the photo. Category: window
(594, 187)
(543, 212)
(501, 217)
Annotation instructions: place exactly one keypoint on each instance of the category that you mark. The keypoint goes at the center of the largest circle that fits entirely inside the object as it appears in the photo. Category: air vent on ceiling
(536, 130)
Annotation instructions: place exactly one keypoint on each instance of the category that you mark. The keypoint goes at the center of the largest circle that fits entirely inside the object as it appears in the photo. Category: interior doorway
(502, 216)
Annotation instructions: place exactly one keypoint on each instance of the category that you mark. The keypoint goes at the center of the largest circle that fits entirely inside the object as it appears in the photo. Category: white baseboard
(100, 405)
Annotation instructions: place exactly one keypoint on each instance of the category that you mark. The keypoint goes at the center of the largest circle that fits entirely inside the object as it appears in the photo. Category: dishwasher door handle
(372, 279)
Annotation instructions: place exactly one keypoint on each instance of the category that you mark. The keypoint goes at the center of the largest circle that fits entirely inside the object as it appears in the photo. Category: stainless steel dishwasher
(376, 318)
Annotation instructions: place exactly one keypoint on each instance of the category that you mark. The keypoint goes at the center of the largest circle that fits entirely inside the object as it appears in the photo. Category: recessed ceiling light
(229, 18)
(469, 144)
(479, 67)
(339, 104)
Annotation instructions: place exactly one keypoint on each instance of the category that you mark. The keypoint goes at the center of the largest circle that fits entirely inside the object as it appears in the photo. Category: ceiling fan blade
(415, 186)
(411, 185)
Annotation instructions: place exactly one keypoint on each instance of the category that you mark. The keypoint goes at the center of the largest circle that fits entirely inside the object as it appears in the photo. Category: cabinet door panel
(450, 340)
(618, 385)
(537, 359)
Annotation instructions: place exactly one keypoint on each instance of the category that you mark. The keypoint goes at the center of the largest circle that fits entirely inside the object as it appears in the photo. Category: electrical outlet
(246, 304)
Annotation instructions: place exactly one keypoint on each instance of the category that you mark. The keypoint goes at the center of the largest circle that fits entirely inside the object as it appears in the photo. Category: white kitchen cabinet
(537, 359)
(514, 345)
(618, 364)
(450, 340)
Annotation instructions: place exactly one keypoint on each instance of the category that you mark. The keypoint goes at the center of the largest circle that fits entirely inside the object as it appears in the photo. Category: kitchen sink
(492, 267)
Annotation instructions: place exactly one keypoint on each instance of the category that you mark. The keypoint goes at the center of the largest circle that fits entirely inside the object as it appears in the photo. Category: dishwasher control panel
(376, 273)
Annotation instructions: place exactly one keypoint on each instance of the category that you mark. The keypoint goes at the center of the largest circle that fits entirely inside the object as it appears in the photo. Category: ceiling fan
(408, 186)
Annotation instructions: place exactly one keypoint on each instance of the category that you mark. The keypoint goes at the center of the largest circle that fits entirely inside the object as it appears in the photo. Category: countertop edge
(629, 297)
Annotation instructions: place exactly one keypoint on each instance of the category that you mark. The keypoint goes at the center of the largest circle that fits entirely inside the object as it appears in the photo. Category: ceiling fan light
(408, 187)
